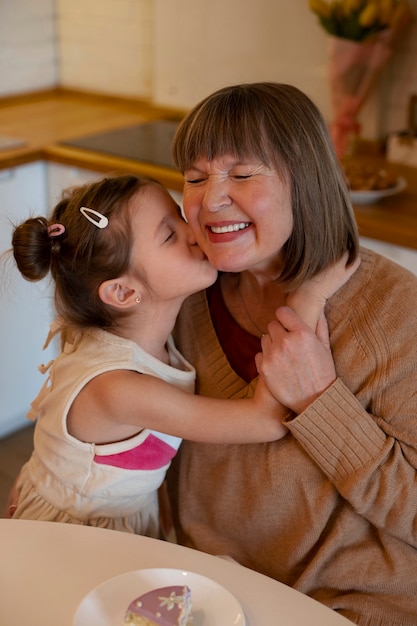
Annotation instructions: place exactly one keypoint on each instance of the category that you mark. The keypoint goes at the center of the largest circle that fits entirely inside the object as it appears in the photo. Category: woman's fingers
(296, 364)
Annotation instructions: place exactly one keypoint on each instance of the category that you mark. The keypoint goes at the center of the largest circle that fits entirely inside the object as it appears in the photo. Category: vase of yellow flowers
(362, 36)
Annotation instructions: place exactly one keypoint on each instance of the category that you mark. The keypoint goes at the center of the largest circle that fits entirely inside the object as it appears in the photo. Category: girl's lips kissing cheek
(226, 231)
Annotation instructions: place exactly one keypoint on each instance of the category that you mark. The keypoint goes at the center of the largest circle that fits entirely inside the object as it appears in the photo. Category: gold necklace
(248, 315)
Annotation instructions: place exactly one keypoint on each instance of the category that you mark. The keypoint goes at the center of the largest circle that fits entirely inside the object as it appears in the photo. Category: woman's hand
(268, 404)
(296, 363)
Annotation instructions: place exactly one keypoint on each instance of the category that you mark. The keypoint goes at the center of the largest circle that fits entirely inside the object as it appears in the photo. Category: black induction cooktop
(149, 143)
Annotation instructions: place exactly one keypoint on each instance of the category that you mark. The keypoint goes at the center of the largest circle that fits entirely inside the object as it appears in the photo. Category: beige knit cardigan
(331, 509)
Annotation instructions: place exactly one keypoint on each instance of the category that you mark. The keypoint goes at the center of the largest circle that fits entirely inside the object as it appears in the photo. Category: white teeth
(230, 228)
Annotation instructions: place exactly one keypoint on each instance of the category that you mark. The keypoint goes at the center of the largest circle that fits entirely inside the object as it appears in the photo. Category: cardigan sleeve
(362, 431)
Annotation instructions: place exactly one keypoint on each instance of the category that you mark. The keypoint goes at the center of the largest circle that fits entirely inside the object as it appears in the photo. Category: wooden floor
(14, 451)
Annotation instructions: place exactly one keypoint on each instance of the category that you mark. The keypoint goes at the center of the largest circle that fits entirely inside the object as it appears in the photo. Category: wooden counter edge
(93, 161)
(112, 165)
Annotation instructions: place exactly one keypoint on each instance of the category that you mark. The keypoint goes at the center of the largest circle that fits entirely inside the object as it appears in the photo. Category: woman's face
(239, 211)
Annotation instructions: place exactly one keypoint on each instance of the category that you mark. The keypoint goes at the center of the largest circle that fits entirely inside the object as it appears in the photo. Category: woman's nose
(216, 196)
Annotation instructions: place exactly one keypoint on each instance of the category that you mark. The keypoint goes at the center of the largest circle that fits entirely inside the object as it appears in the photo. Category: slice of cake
(166, 606)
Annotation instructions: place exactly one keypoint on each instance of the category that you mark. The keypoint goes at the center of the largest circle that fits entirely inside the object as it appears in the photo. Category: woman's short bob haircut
(279, 125)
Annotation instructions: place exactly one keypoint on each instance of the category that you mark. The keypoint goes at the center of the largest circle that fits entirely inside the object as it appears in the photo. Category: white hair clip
(96, 218)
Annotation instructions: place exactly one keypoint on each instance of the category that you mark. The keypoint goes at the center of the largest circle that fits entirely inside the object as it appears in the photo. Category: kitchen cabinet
(60, 177)
(25, 308)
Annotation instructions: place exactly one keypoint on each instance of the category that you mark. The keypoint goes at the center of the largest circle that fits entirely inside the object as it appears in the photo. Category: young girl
(119, 398)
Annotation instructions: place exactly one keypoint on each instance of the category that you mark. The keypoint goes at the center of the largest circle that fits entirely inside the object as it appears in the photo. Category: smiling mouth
(230, 228)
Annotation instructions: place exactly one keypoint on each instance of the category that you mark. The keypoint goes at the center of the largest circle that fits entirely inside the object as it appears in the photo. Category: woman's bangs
(216, 137)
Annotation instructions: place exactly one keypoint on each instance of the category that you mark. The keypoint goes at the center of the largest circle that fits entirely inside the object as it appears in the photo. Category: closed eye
(194, 181)
(170, 236)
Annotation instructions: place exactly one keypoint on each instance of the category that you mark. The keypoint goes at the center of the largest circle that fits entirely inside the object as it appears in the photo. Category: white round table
(47, 568)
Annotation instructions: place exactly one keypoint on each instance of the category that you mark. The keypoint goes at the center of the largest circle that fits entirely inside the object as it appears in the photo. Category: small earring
(138, 299)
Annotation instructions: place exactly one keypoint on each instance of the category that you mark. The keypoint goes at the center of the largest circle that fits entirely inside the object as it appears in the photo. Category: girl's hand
(310, 298)
(331, 279)
(297, 364)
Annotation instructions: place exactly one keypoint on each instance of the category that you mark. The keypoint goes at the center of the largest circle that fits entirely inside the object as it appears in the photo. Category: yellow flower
(359, 20)
(351, 6)
(369, 15)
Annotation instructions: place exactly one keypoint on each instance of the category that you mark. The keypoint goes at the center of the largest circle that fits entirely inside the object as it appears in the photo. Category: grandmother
(331, 509)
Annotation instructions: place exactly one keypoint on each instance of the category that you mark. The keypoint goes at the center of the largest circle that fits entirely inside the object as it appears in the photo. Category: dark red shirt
(238, 345)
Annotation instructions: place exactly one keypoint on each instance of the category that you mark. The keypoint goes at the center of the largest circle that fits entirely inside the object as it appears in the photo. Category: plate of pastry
(159, 597)
(368, 196)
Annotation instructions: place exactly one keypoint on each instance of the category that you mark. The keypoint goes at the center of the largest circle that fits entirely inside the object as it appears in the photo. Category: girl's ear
(117, 293)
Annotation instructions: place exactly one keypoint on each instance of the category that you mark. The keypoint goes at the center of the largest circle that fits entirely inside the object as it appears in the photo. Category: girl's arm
(118, 404)
(121, 403)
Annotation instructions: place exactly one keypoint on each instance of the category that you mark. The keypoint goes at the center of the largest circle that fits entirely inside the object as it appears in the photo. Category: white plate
(106, 605)
(368, 197)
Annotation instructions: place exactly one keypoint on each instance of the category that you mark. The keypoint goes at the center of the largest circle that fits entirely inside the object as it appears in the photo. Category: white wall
(28, 59)
(105, 46)
(200, 46)
(175, 52)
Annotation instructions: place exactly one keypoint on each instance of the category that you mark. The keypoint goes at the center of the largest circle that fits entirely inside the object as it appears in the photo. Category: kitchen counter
(44, 121)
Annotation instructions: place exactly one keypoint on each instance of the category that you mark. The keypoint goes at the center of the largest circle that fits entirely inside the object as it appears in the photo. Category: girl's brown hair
(83, 256)
(281, 127)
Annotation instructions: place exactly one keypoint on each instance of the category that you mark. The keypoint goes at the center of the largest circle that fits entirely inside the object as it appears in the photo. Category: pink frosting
(166, 606)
